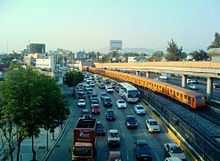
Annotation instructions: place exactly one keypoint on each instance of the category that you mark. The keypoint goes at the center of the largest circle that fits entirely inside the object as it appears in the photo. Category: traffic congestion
(124, 130)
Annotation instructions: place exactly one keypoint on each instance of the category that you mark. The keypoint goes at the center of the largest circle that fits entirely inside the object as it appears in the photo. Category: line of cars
(141, 148)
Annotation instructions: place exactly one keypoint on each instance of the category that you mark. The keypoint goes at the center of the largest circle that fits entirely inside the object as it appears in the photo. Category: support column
(147, 74)
(209, 88)
(184, 78)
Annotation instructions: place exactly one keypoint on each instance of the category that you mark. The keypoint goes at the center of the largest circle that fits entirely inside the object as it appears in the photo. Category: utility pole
(7, 47)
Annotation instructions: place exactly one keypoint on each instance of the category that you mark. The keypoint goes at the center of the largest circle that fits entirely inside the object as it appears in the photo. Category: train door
(189, 100)
(181, 97)
(162, 89)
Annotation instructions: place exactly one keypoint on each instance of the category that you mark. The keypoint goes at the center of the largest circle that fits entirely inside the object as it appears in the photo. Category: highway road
(62, 151)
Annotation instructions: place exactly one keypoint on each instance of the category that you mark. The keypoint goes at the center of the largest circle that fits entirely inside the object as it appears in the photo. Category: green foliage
(200, 55)
(72, 78)
(216, 42)
(156, 56)
(30, 101)
(91, 55)
(174, 53)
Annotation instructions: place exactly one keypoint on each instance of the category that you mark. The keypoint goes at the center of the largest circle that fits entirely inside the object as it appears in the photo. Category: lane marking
(131, 110)
(145, 134)
(157, 156)
(98, 154)
(127, 157)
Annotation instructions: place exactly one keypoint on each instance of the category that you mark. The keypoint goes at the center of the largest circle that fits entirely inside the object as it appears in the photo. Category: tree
(216, 42)
(91, 55)
(29, 101)
(156, 56)
(200, 55)
(174, 53)
(54, 111)
(72, 78)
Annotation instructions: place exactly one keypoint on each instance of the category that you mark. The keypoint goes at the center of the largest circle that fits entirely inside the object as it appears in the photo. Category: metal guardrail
(207, 150)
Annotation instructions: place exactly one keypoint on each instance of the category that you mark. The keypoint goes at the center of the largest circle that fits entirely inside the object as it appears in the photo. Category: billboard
(115, 44)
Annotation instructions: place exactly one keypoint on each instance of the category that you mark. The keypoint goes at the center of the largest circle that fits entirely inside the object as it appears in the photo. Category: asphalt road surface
(62, 151)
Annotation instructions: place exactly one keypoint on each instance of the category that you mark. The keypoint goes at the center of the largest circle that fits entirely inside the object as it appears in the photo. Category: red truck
(84, 140)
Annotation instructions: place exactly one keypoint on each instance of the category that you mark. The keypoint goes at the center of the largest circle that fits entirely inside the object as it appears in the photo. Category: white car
(81, 103)
(193, 86)
(113, 137)
(172, 159)
(152, 125)
(92, 84)
(109, 89)
(139, 109)
(173, 150)
(121, 103)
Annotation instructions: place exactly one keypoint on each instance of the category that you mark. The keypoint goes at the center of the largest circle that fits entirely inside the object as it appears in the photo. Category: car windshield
(141, 145)
(81, 101)
(99, 126)
(85, 112)
(110, 113)
(140, 108)
(131, 119)
(82, 151)
(121, 101)
(132, 94)
(107, 99)
(114, 134)
(175, 149)
(94, 101)
(153, 123)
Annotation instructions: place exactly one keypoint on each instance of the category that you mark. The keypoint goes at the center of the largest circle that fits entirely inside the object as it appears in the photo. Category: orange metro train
(182, 95)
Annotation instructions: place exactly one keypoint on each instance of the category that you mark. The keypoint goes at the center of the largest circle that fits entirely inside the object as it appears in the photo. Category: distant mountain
(125, 50)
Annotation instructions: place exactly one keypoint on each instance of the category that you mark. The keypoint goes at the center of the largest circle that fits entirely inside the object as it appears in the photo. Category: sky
(91, 24)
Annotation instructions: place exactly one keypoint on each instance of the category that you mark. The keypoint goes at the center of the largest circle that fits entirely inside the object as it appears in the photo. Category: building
(45, 63)
(215, 54)
(36, 48)
(80, 55)
(132, 59)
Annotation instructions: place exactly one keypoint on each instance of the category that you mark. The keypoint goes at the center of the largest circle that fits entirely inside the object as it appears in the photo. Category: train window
(171, 91)
(185, 96)
(198, 99)
(154, 85)
(177, 93)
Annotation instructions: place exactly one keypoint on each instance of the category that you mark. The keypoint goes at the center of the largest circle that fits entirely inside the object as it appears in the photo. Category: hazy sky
(91, 24)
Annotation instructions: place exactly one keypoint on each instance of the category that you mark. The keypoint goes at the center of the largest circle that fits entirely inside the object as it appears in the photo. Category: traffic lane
(63, 149)
(120, 126)
(155, 140)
